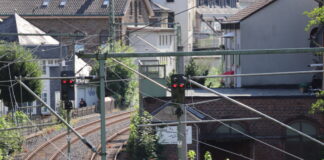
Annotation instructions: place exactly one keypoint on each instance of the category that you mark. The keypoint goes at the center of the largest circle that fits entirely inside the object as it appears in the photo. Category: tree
(11, 140)
(142, 142)
(316, 17)
(192, 69)
(191, 154)
(318, 106)
(18, 61)
(208, 156)
(124, 91)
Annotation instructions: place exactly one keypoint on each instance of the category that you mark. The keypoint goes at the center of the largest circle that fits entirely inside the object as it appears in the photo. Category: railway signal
(67, 89)
(178, 88)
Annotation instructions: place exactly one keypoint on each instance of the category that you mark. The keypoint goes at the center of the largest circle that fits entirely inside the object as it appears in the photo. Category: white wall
(87, 92)
(279, 25)
(155, 41)
(185, 19)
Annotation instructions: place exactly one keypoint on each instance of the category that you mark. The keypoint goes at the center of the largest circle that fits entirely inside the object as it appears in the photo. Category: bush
(142, 142)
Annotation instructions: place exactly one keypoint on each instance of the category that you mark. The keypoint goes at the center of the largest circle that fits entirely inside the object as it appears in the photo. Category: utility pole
(67, 95)
(182, 141)
(111, 27)
(136, 12)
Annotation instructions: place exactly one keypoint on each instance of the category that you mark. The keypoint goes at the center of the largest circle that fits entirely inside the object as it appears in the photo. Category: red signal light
(64, 81)
(174, 85)
(71, 81)
(181, 85)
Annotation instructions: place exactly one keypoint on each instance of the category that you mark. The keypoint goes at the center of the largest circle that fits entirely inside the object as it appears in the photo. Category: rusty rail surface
(48, 150)
(119, 136)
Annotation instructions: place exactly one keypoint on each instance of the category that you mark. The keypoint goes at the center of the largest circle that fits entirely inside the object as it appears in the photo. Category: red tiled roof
(72, 7)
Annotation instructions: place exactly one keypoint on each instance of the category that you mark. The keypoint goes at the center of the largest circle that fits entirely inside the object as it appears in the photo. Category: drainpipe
(197, 142)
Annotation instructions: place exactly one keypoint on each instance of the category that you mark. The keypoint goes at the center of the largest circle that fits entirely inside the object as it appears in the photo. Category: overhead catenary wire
(255, 111)
(271, 146)
(259, 74)
(219, 148)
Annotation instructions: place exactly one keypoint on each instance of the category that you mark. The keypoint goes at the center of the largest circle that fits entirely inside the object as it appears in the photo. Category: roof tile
(72, 7)
(248, 11)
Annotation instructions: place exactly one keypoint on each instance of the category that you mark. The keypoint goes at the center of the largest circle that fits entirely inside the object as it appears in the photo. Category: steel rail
(32, 154)
(93, 156)
(84, 140)
(74, 140)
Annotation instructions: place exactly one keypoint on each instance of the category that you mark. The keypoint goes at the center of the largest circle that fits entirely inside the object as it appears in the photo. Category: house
(184, 14)
(87, 18)
(289, 106)
(268, 24)
(52, 56)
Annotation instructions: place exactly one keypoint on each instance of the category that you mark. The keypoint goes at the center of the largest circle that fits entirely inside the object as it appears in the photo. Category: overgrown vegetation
(213, 82)
(316, 17)
(11, 141)
(191, 155)
(192, 69)
(318, 106)
(207, 156)
(142, 143)
(125, 92)
(20, 62)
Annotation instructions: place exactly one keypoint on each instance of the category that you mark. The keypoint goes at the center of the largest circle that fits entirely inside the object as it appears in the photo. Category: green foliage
(124, 92)
(207, 156)
(142, 143)
(316, 17)
(10, 141)
(21, 117)
(213, 82)
(191, 154)
(318, 106)
(192, 69)
(25, 65)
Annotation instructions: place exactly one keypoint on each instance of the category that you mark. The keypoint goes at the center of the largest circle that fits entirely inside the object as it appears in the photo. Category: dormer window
(105, 3)
(63, 3)
(45, 3)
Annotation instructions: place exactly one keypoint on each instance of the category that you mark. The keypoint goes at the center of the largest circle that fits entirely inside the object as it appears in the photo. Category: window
(170, 0)
(301, 146)
(131, 8)
(105, 3)
(139, 8)
(79, 46)
(50, 62)
(44, 97)
(170, 20)
(45, 3)
(44, 66)
(165, 40)
(103, 36)
(63, 3)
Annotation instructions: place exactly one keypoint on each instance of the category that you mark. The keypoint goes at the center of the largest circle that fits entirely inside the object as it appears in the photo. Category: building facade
(268, 25)
(288, 106)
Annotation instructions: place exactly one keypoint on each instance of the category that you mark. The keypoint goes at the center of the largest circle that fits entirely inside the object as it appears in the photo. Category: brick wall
(284, 109)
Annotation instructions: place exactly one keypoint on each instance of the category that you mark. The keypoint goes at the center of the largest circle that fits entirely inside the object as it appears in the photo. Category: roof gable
(248, 11)
(16, 24)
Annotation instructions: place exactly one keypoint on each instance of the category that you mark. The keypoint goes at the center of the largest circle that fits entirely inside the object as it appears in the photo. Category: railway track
(114, 143)
(56, 146)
